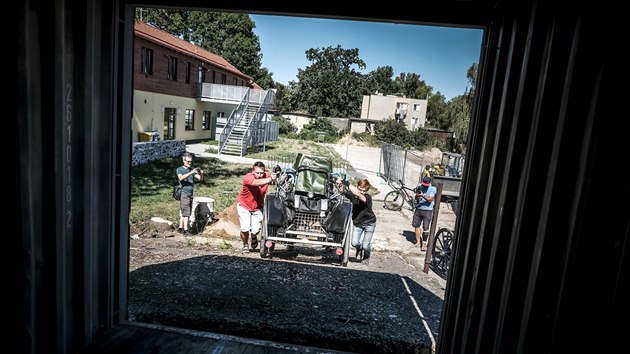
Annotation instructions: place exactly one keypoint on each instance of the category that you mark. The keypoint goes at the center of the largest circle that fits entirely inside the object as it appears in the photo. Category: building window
(190, 119)
(172, 68)
(235, 82)
(205, 120)
(187, 72)
(202, 75)
(416, 107)
(401, 112)
(223, 79)
(221, 121)
(146, 61)
(214, 76)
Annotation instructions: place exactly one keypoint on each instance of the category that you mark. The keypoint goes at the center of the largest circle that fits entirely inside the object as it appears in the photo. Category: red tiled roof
(166, 39)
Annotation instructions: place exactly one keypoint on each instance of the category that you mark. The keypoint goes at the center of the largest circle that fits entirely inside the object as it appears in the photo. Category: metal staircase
(236, 141)
(242, 129)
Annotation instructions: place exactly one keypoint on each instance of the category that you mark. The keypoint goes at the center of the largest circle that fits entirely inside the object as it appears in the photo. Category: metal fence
(400, 164)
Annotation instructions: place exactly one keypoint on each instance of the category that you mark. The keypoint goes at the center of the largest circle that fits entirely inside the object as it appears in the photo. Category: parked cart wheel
(441, 255)
(264, 251)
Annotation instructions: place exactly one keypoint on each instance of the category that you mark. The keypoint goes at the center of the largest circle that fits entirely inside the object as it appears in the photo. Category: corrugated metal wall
(541, 250)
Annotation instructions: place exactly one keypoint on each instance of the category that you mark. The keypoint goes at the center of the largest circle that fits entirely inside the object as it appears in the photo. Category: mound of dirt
(436, 154)
(351, 141)
(225, 222)
(229, 214)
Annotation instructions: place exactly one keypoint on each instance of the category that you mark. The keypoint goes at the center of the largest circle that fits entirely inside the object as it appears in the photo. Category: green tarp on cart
(312, 173)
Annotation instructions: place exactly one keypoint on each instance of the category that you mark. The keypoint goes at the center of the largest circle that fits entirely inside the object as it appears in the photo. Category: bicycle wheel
(441, 255)
(393, 201)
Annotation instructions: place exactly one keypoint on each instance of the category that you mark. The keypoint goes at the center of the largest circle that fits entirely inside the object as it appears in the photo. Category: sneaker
(359, 254)
(180, 230)
(254, 242)
(366, 261)
(245, 249)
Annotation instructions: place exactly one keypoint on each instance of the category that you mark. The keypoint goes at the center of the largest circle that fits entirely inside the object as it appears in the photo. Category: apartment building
(181, 90)
(376, 108)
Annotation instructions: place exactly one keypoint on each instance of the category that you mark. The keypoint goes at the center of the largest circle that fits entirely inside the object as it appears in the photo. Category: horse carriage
(307, 208)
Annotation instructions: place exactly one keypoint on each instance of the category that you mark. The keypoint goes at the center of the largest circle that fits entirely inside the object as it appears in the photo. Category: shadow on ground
(323, 306)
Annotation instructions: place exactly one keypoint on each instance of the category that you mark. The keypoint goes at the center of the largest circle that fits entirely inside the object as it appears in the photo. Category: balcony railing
(230, 93)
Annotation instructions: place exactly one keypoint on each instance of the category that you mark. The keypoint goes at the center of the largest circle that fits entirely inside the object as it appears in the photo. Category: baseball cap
(426, 181)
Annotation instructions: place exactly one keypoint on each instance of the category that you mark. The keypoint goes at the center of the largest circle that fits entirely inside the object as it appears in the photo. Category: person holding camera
(186, 175)
(425, 194)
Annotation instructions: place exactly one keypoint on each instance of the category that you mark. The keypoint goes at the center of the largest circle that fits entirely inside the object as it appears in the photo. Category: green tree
(411, 86)
(436, 112)
(458, 112)
(380, 80)
(265, 79)
(282, 101)
(471, 74)
(419, 139)
(230, 35)
(285, 127)
(330, 86)
(460, 109)
(393, 132)
(174, 22)
(314, 130)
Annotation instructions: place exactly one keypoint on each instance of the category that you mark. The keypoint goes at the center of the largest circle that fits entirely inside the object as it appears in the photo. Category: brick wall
(158, 81)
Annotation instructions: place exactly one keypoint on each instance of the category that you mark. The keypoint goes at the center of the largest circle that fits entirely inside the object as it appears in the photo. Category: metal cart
(308, 208)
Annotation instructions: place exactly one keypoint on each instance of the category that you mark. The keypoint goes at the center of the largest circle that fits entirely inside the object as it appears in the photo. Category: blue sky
(440, 55)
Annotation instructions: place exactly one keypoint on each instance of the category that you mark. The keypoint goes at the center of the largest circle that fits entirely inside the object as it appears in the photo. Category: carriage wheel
(393, 201)
(441, 255)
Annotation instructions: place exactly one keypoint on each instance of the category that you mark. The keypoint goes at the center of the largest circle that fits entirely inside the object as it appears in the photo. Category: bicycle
(399, 197)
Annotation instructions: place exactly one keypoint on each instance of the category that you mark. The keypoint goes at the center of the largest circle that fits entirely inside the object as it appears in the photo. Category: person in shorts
(250, 202)
(186, 175)
(422, 216)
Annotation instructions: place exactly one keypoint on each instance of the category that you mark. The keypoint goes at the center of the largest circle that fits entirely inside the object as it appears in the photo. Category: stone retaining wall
(144, 152)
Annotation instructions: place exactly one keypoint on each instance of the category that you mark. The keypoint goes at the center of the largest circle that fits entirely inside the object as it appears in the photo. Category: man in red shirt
(250, 203)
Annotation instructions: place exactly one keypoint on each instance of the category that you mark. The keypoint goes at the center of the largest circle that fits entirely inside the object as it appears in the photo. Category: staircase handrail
(232, 122)
(263, 109)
